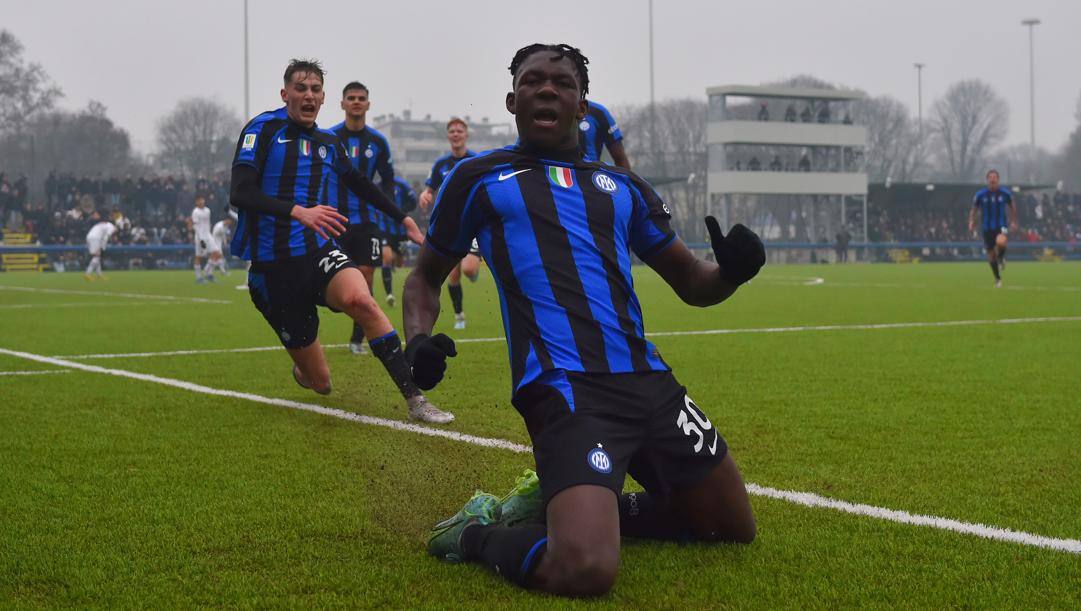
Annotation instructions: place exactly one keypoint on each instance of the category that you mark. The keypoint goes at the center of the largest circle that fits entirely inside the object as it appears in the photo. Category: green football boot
(445, 541)
(524, 503)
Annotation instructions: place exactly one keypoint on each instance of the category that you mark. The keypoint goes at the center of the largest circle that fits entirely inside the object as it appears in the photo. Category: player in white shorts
(219, 235)
(96, 240)
(199, 223)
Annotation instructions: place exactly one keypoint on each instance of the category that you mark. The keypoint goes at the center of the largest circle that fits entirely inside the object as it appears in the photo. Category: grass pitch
(117, 492)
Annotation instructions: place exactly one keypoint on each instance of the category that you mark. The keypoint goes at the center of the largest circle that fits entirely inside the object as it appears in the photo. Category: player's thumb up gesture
(740, 254)
(427, 358)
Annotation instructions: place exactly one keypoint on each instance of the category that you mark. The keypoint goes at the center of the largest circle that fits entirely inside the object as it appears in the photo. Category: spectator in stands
(763, 112)
(754, 165)
(848, 119)
(790, 114)
(775, 165)
(806, 116)
(804, 163)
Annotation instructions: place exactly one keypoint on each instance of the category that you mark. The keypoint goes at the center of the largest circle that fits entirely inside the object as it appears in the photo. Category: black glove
(740, 255)
(427, 358)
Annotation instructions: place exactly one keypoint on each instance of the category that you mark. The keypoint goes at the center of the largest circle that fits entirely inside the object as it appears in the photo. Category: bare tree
(25, 89)
(1020, 163)
(968, 121)
(1069, 160)
(198, 136)
(892, 139)
(82, 142)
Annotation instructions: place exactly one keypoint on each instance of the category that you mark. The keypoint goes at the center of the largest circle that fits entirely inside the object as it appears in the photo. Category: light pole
(652, 105)
(247, 103)
(919, 97)
(1031, 23)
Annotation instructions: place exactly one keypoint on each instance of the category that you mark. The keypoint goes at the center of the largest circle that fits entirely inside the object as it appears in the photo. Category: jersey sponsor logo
(503, 176)
(599, 461)
(249, 142)
(584, 125)
(695, 425)
(604, 182)
(306, 148)
(561, 176)
(322, 152)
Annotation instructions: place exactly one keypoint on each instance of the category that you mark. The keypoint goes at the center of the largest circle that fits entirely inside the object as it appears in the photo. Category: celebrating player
(394, 235)
(597, 399)
(597, 130)
(369, 153)
(992, 202)
(458, 137)
(280, 173)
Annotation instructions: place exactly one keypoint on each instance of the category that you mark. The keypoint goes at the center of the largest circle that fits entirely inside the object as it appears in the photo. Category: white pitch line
(89, 304)
(33, 373)
(808, 499)
(29, 289)
(477, 340)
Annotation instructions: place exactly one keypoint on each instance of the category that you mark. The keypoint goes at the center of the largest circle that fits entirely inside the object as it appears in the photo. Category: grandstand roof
(773, 91)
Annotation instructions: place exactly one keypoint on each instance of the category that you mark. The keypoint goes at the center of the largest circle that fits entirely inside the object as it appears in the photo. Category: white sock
(208, 269)
(95, 264)
(198, 272)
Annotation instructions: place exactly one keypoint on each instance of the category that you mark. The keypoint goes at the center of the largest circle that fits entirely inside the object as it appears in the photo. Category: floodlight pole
(919, 98)
(652, 103)
(1031, 23)
(247, 94)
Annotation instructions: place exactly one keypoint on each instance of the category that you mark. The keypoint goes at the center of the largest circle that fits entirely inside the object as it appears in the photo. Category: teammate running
(992, 202)
(597, 130)
(280, 175)
(394, 235)
(597, 399)
(458, 137)
(369, 152)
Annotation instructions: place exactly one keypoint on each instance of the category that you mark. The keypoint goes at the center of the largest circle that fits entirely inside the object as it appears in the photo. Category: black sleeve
(245, 194)
(386, 170)
(364, 188)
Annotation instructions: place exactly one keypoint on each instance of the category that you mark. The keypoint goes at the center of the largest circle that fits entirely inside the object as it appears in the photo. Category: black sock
(358, 334)
(1002, 253)
(388, 279)
(388, 349)
(455, 291)
(641, 516)
(994, 269)
(510, 551)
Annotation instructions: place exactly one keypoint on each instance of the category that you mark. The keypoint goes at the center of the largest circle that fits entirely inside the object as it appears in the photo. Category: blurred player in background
(597, 130)
(369, 152)
(992, 203)
(199, 225)
(394, 237)
(220, 235)
(458, 137)
(96, 241)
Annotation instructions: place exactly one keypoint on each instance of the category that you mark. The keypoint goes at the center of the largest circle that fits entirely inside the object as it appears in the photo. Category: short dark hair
(992, 171)
(354, 85)
(459, 121)
(561, 50)
(310, 66)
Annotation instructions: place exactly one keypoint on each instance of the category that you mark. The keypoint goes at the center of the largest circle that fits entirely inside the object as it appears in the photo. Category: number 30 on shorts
(694, 424)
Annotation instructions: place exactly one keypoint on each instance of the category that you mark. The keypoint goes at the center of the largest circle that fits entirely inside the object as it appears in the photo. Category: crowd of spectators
(1041, 217)
(150, 210)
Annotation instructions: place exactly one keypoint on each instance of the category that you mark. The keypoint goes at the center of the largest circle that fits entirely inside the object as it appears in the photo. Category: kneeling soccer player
(597, 399)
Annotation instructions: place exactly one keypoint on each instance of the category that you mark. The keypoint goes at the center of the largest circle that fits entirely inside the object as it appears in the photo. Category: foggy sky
(450, 58)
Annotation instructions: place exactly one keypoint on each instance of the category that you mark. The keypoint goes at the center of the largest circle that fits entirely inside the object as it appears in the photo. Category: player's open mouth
(307, 108)
(546, 117)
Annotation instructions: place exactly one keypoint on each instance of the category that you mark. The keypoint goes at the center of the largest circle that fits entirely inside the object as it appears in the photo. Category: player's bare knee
(361, 306)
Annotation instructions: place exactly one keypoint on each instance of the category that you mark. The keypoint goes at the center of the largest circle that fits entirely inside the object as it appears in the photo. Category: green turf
(121, 493)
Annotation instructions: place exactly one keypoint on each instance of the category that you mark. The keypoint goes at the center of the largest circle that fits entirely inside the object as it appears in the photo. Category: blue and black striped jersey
(597, 130)
(442, 167)
(993, 205)
(369, 152)
(406, 199)
(294, 163)
(557, 235)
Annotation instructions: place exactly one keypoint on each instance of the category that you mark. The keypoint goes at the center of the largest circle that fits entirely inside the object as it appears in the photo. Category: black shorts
(395, 242)
(364, 244)
(597, 428)
(990, 235)
(286, 292)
